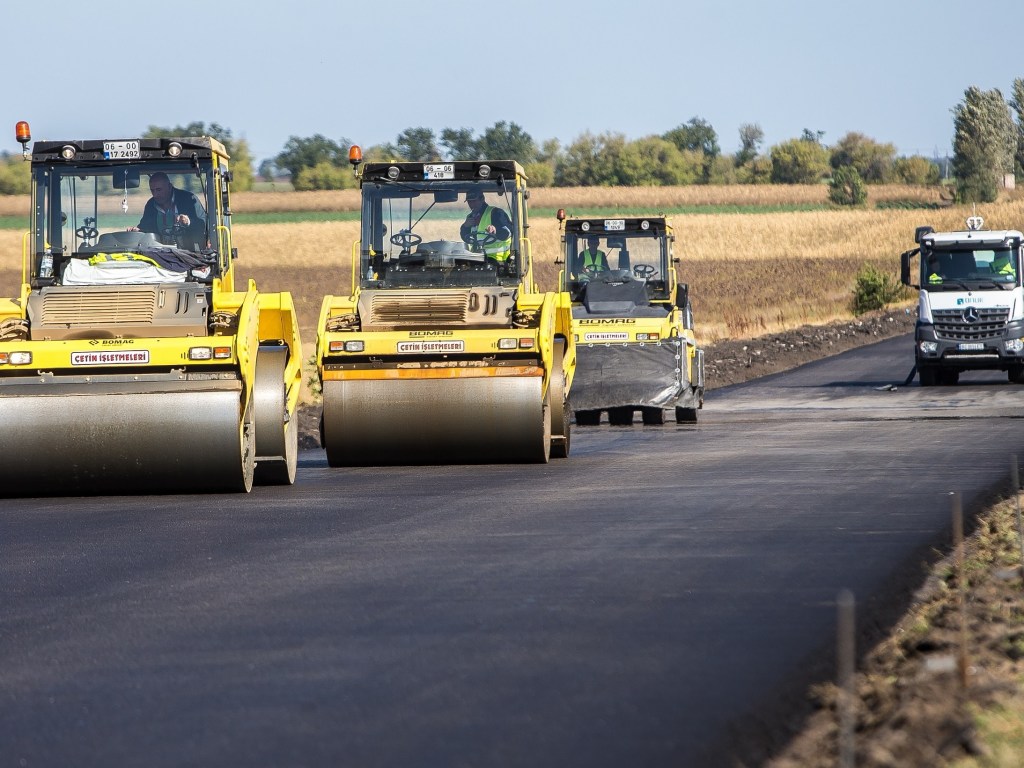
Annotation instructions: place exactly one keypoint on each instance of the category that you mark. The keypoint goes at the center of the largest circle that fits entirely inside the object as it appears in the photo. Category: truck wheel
(653, 416)
(686, 415)
(621, 417)
(587, 418)
(928, 376)
(949, 378)
(1016, 374)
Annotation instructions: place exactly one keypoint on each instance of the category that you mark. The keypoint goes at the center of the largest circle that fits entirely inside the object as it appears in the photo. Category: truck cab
(970, 302)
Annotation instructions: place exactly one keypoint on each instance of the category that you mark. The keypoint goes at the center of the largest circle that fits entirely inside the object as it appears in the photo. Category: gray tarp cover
(617, 375)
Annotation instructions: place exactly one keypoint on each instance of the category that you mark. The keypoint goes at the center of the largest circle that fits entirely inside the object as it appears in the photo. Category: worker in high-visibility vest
(487, 228)
(592, 259)
(1002, 265)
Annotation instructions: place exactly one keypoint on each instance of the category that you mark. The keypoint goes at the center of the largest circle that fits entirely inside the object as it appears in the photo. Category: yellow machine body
(443, 353)
(130, 362)
(632, 322)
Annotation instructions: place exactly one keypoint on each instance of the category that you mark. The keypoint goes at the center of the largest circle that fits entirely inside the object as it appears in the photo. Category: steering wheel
(87, 233)
(644, 270)
(473, 237)
(406, 239)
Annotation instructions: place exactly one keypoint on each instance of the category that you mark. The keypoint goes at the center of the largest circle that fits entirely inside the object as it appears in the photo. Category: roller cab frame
(130, 362)
(445, 351)
(632, 321)
(970, 302)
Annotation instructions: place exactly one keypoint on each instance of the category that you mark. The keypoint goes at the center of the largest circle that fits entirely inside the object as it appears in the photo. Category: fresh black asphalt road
(660, 598)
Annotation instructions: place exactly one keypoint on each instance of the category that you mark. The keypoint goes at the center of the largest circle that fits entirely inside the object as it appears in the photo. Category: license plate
(120, 150)
(970, 347)
(440, 171)
(614, 225)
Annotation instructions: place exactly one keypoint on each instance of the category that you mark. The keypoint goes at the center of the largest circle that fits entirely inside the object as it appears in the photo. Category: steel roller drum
(119, 438)
(435, 421)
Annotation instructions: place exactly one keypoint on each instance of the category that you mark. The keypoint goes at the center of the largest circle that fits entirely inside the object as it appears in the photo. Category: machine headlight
(393, 172)
(585, 226)
(1013, 345)
(68, 152)
(484, 171)
(200, 353)
(347, 346)
(508, 343)
(647, 336)
(929, 347)
(174, 149)
(15, 358)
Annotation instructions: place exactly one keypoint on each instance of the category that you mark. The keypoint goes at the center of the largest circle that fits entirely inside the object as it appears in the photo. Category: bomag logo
(613, 321)
(111, 342)
(422, 334)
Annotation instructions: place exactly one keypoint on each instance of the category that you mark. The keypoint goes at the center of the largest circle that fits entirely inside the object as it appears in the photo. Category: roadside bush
(846, 187)
(874, 289)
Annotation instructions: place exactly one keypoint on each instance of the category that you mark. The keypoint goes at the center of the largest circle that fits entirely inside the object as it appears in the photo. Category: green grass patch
(13, 222)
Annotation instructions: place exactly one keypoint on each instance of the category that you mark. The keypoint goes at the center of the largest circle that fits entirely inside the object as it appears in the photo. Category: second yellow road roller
(444, 350)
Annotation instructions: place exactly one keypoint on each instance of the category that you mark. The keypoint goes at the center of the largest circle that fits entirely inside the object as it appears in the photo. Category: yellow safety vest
(99, 258)
(594, 260)
(499, 250)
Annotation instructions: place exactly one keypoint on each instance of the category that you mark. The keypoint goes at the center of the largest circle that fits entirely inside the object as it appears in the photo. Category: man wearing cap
(487, 228)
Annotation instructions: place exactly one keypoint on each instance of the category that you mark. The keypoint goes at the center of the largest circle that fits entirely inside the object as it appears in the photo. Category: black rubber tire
(621, 416)
(653, 417)
(1016, 374)
(928, 376)
(686, 415)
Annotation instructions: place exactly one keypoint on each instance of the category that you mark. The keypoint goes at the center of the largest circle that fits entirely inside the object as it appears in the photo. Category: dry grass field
(749, 273)
(651, 198)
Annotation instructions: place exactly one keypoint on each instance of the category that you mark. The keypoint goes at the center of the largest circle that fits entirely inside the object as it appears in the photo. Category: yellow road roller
(130, 363)
(445, 351)
(633, 322)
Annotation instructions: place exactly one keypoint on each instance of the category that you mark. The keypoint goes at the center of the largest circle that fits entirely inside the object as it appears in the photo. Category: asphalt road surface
(660, 598)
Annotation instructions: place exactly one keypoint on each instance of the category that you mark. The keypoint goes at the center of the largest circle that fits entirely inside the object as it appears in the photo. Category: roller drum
(120, 439)
(435, 421)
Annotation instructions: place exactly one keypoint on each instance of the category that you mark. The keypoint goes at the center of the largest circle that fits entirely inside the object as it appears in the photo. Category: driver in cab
(487, 228)
(592, 259)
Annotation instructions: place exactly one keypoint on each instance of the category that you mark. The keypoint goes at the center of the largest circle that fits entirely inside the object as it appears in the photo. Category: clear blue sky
(891, 69)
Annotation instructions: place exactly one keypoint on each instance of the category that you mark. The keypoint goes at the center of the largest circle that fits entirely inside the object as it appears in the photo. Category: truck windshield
(439, 234)
(954, 267)
(631, 256)
(76, 206)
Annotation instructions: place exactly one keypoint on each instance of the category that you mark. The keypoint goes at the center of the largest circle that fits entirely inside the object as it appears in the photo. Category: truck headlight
(1013, 345)
(929, 347)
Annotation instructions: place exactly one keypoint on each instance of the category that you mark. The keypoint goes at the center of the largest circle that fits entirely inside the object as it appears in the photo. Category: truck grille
(971, 324)
(415, 307)
(116, 306)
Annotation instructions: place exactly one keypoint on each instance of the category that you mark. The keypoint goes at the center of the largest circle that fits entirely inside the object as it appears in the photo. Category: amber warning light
(355, 154)
(24, 136)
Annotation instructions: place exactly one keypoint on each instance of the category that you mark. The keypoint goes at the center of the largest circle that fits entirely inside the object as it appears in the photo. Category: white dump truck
(971, 303)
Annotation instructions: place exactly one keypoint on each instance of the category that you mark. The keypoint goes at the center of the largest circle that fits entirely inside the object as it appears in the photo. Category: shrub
(874, 290)
(847, 187)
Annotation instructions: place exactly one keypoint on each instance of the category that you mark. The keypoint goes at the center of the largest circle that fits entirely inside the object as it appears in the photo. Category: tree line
(988, 145)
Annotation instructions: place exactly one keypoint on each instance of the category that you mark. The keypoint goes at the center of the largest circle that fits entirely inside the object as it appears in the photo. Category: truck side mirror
(921, 232)
(682, 295)
(905, 267)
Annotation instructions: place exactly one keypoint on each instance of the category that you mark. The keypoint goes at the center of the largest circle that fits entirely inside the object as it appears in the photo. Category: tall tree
(418, 145)
(872, 161)
(590, 161)
(459, 144)
(984, 144)
(308, 152)
(1017, 103)
(751, 137)
(507, 141)
(799, 161)
(697, 135)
